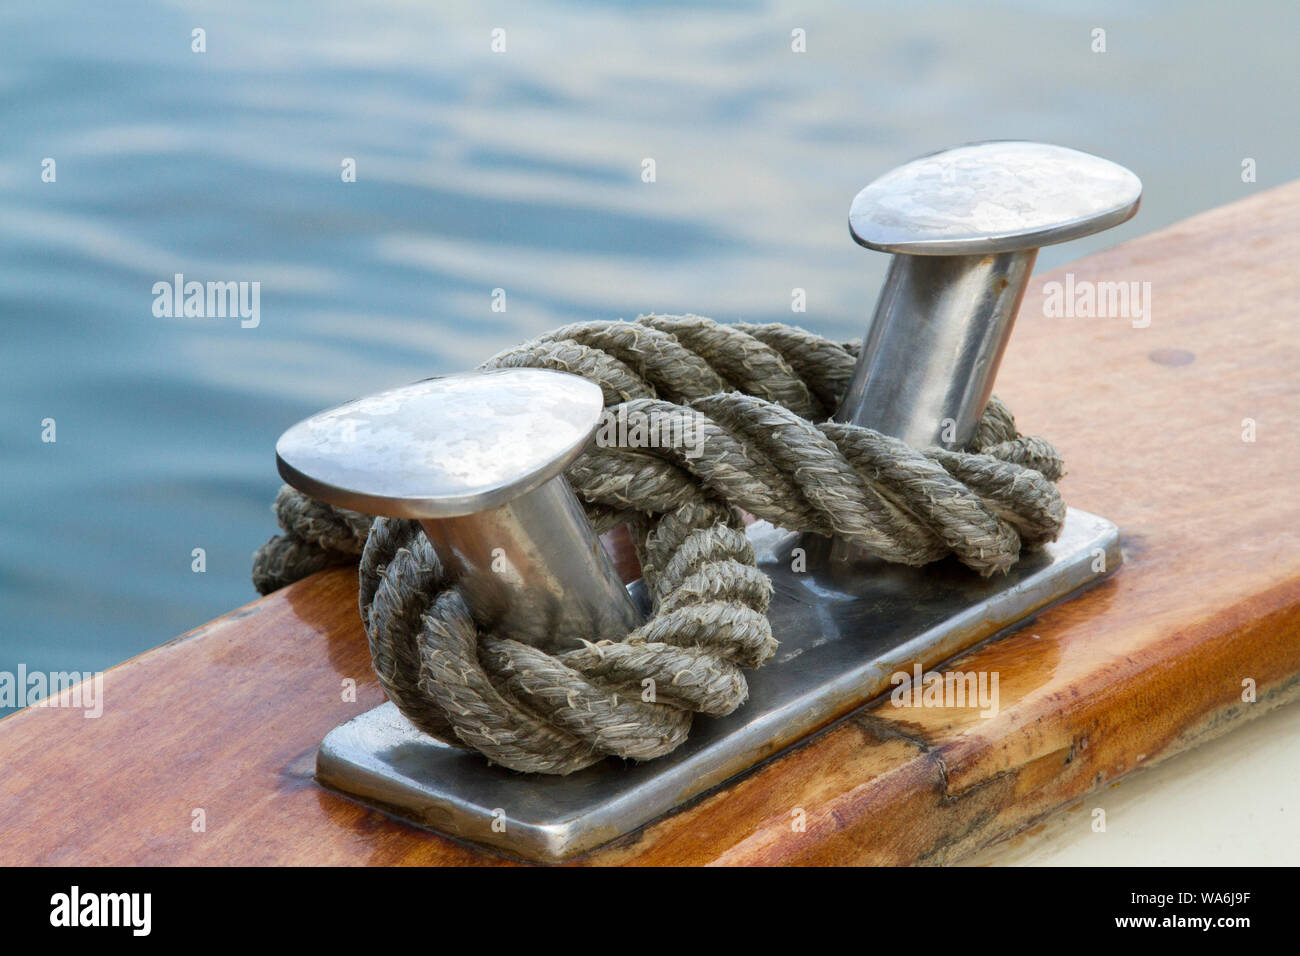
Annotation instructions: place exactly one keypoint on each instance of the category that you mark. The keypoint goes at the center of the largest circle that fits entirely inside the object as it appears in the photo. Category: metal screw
(478, 459)
(965, 225)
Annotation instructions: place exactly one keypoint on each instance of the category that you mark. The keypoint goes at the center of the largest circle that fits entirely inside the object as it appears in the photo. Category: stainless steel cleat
(478, 459)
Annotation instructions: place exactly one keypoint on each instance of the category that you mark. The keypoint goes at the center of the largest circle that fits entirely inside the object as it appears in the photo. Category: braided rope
(755, 400)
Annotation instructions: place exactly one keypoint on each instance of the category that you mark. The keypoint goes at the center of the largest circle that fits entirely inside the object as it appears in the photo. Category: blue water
(478, 171)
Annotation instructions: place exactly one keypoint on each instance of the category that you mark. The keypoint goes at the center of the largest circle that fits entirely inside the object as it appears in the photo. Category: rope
(754, 401)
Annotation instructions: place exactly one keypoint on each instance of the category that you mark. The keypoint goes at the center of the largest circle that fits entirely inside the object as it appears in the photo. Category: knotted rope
(753, 400)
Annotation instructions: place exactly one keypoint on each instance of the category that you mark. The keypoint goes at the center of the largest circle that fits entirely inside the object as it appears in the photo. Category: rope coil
(755, 400)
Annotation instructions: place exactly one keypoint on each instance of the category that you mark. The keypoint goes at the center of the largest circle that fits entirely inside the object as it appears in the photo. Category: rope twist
(746, 408)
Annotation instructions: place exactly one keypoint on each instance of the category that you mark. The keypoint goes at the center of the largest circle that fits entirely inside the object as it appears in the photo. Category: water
(479, 171)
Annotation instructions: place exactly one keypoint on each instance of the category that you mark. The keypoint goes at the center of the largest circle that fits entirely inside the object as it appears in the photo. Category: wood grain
(227, 718)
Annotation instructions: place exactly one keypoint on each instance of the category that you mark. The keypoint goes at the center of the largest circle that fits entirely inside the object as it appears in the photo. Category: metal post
(965, 226)
(478, 458)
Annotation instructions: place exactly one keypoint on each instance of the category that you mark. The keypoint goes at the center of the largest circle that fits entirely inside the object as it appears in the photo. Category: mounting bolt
(965, 226)
(478, 459)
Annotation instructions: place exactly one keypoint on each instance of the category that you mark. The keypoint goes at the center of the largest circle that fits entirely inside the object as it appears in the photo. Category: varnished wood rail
(1152, 422)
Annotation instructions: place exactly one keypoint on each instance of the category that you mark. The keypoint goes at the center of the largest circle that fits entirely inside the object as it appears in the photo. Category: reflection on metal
(844, 631)
(932, 350)
(478, 459)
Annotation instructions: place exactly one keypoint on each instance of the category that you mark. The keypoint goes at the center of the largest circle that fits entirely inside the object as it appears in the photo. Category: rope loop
(746, 409)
